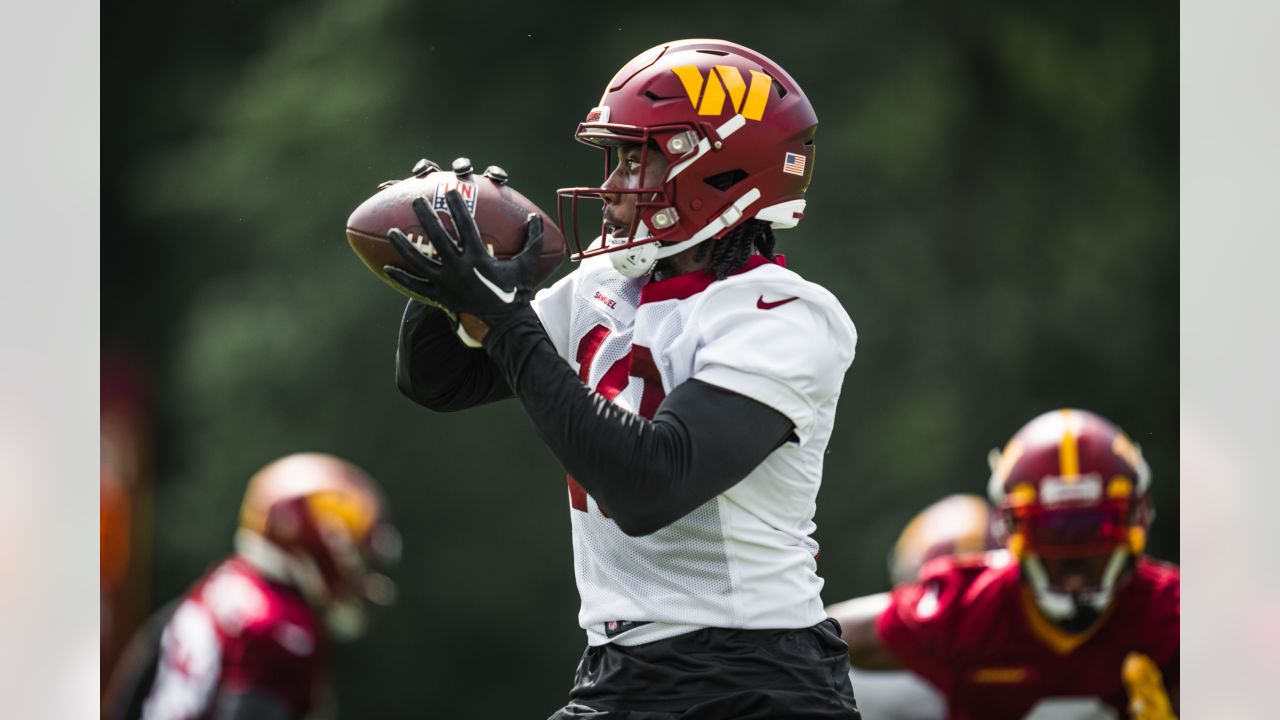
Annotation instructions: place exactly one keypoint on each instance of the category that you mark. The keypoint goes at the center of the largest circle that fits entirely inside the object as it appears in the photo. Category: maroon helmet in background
(1071, 486)
(955, 526)
(318, 522)
(737, 133)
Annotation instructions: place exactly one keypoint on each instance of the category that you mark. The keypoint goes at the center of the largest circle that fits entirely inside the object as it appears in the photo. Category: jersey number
(637, 363)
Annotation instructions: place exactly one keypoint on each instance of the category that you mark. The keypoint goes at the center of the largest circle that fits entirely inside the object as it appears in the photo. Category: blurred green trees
(995, 203)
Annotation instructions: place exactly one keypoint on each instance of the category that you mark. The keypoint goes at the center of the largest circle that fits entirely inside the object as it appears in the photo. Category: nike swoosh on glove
(467, 279)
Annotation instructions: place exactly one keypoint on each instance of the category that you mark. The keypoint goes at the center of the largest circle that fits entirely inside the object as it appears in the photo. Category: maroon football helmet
(318, 522)
(955, 526)
(1071, 486)
(737, 133)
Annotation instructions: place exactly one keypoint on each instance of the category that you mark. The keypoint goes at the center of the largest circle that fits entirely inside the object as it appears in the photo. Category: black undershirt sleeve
(645, 473)
(434, 368)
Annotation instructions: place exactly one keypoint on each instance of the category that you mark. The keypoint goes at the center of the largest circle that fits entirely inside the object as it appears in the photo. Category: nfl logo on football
(466, 189)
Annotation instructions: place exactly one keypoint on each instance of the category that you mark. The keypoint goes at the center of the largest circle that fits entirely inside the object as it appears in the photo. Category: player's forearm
(645, 473)
(857, 618)
(434, 368)
(600, 444)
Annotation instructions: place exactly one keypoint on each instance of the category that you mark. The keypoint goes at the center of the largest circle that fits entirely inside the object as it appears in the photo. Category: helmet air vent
(725, 180)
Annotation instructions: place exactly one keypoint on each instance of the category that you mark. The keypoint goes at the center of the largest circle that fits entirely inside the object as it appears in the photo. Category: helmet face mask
(1072, 531)
(1074, 592)
(1075, 573)
(1072, 492)
(690, 100)
(653, 206)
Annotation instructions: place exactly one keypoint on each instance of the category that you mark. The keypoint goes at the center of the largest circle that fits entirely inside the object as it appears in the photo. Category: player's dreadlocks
(730, 252)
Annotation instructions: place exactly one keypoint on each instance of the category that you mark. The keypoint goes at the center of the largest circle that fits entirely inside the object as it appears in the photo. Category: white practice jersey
(746, 558)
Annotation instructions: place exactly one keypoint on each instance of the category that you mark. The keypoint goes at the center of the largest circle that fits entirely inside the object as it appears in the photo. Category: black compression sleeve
(645, 473)
(434, 368)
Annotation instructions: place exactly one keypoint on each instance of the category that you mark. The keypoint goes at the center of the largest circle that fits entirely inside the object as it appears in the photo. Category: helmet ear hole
(725, 180)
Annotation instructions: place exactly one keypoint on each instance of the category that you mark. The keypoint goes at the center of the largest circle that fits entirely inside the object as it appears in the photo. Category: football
(500, 213)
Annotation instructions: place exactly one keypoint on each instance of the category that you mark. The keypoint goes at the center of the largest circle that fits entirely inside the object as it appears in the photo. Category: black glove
(467, 279)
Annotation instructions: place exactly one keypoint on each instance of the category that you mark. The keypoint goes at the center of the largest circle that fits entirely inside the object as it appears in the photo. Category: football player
(248, 641)
(957, 525)
(1074, 621)
(685, 378)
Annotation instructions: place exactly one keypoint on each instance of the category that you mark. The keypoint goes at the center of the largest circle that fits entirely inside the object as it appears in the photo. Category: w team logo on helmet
(725, 78)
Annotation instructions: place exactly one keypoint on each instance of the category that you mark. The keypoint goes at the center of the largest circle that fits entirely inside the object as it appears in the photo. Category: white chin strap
(639, 261)
(1062, 606)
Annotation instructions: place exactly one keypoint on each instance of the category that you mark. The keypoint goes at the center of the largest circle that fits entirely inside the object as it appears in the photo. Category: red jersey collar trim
(690, 284)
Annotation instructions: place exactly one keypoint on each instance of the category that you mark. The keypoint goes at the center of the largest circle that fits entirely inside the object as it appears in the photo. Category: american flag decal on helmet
(793, 164)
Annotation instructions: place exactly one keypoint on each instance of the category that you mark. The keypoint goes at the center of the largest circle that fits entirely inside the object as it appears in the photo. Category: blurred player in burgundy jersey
(249, 640)
(1073, 621)
(957, 525)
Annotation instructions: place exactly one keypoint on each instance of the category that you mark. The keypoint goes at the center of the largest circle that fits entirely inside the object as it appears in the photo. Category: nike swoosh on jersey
(771, 305)
(505, 296)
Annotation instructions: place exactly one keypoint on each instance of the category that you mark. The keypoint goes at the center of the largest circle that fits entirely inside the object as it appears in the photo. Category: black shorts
(717, 673)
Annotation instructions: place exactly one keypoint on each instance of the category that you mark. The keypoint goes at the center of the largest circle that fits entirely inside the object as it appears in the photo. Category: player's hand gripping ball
(467, 279)
(494, 211)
